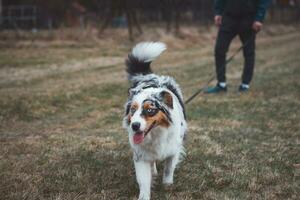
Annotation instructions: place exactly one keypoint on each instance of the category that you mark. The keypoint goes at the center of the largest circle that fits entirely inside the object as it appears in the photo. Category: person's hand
(257, 26)
(218, 20)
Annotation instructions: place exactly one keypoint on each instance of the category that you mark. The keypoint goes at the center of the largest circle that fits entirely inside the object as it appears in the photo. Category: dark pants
(232, 26)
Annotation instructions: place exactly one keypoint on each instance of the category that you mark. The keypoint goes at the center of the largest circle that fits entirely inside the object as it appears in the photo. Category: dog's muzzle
(139, 136)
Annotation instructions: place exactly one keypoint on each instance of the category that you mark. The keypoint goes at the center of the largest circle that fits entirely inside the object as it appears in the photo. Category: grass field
(61, 106)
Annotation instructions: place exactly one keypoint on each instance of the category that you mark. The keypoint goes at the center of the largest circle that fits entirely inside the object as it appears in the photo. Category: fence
(19, 16)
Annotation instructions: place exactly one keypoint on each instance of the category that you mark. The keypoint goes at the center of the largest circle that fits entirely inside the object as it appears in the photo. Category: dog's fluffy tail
(141, 56)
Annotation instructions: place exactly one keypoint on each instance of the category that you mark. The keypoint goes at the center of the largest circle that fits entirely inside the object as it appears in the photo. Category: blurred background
(36, 15)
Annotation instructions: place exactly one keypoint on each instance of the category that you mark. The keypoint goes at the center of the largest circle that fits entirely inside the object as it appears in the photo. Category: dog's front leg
(143, 177)
(170, 165)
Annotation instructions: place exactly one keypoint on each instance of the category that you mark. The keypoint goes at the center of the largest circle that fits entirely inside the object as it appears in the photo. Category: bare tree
(117, 8)
(171, 11)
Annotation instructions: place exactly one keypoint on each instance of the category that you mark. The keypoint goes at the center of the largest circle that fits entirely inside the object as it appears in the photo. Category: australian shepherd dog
(155, 117)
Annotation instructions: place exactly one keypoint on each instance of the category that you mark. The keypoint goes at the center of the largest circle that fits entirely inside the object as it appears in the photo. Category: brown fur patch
(129, 119)
(167, 98)
(159, 118)
(148, 105)
(134, 106)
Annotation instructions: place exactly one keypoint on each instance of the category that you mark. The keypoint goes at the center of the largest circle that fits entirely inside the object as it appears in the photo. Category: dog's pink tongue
(138, 138)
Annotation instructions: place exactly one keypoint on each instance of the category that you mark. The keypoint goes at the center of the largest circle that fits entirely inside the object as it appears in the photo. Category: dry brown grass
(61, 105)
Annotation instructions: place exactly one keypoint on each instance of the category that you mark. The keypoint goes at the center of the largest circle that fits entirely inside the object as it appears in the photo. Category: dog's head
(147, 111)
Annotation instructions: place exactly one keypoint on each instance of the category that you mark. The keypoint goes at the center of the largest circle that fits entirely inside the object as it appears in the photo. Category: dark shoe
(243, 89)
(215, 90)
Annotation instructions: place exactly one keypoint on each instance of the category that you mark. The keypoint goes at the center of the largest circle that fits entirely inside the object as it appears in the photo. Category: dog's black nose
(135, 126)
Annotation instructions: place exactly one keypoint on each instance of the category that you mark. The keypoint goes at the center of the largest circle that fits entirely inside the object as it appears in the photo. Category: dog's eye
(151, 111)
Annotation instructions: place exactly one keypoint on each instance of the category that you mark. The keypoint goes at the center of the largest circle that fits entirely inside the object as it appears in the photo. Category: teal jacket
(238, 8)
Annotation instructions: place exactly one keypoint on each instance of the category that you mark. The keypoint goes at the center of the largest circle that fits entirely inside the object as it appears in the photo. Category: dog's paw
(166, 184)
(144, 197)
(168, 180)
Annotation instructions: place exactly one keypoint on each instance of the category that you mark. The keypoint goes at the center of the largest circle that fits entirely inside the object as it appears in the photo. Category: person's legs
(248, 39)
(224, 39)
(227, 32)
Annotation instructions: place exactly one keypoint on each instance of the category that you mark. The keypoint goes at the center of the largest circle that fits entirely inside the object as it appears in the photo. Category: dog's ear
(167, 98)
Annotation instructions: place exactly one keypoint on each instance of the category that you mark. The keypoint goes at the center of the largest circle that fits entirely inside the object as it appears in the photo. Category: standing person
(243, 18)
